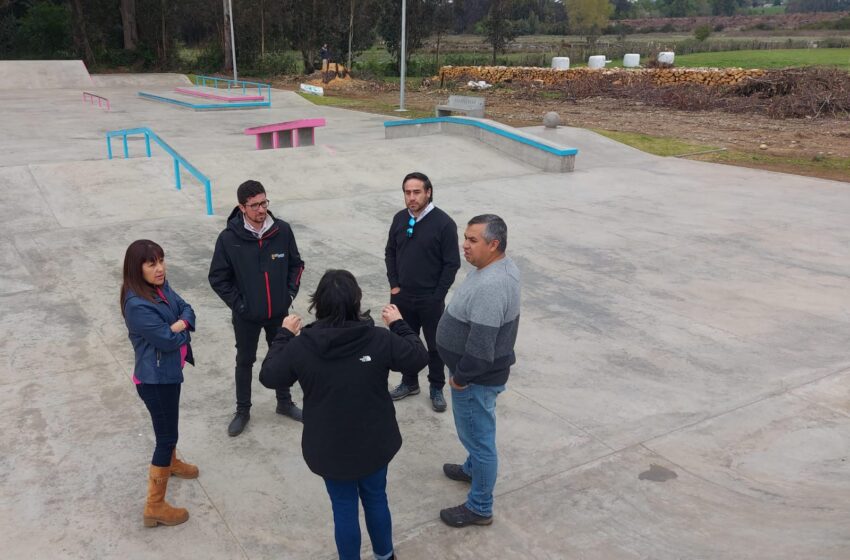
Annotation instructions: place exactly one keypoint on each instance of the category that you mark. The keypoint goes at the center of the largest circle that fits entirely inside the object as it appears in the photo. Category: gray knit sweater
(478, 330)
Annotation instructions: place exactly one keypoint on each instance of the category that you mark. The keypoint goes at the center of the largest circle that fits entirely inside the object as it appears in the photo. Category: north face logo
(366, 358)
(278, 256)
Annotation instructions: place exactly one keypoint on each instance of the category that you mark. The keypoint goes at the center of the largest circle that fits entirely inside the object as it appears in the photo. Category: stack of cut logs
(549, 76)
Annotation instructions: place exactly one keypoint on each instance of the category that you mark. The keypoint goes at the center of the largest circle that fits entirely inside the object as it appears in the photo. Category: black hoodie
(350, 429)
(256, 278)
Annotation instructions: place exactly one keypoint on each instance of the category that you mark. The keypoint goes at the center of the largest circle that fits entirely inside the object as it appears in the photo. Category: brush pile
(788, 93)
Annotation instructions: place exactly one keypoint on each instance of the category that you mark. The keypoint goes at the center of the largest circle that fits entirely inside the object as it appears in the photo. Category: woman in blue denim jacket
(159, 322)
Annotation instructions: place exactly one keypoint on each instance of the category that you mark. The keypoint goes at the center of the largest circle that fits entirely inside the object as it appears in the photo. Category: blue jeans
(474, 410)
(372, 491)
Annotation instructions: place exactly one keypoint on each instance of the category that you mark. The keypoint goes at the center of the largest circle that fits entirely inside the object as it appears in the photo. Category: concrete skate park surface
(682, 386)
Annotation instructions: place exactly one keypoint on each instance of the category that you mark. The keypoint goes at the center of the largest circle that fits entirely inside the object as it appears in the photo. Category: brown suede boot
(157, 510)
(181, 469)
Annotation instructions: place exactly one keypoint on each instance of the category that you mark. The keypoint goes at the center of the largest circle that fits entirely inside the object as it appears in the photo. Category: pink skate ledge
(218, 96)
(290, 134)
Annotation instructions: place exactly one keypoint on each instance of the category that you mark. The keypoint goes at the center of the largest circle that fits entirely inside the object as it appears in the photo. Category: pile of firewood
(702, 76)
(549, 76)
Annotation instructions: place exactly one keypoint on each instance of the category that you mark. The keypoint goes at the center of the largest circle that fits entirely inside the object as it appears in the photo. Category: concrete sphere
(551, 119)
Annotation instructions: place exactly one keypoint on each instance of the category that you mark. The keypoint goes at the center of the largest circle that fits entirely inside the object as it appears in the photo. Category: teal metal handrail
(178, 159)
(202, 81)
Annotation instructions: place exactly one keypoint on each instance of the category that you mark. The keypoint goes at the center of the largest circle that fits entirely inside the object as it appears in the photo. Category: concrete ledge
(205, 106)
(535, 151)
(218, 96)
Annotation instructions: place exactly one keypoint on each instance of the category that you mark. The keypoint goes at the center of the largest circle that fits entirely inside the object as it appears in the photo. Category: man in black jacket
(422, 260)
(256, 270)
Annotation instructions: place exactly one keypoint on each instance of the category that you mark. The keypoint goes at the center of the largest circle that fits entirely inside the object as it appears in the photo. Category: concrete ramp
(44, 74)
(164, 79)
(595, 150)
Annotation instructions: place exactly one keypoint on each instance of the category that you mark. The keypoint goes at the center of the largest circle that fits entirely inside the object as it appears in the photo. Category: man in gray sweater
(475, 338)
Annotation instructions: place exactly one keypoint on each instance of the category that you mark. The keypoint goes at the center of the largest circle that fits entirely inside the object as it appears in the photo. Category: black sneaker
(461, 516)
(290, 409)
(456, 472)
(240, 420)
(438, 402)
(403, 391)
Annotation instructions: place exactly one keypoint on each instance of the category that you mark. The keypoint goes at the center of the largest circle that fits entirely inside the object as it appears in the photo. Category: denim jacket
(157, 349)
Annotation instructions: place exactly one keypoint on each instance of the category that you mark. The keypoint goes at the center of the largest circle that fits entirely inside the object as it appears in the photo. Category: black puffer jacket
(350, 429)
(256, 278)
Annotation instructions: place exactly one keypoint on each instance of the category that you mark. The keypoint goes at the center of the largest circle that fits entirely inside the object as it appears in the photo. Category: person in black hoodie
(256, 270)
(342, 362)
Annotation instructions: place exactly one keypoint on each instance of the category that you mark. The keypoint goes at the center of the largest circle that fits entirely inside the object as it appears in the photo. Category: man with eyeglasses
(256, 270)
(422, 258)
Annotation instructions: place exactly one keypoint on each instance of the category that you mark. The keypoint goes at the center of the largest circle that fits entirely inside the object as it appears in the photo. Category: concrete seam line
(569, 423)
(821, 405)
(770, 395)
(644, 444)
(702, 478)
(223, 520)
(43, 195)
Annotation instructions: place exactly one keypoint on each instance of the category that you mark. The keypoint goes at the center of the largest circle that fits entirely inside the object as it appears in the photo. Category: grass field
(778, 58)
(820, 166)
(657, 145)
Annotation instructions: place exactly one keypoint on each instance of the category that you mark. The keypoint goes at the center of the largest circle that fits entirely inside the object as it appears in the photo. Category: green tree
(588, 17)
(45, 31)
(420, 26)
(724, 7)
(499, 30)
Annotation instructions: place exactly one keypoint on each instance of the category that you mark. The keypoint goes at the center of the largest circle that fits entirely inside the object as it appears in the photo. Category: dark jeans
(247, 337)
(163, 402)
(423, 313)
(372, 491)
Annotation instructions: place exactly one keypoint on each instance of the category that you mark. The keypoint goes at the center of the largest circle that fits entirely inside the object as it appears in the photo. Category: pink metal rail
(90, 97)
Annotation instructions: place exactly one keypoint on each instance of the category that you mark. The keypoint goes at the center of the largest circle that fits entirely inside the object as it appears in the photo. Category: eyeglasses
(410, 224)
(257, 205)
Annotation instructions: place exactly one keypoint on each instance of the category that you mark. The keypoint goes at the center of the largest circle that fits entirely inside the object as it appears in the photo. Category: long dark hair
(337, 298)
(138, 253)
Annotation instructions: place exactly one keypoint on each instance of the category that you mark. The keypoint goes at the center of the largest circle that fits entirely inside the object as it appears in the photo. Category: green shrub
(274, 64)
(702, 32)
(210, 59)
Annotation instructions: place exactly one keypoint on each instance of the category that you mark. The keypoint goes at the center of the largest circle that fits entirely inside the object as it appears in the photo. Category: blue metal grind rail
(214, 82)
(177, 158)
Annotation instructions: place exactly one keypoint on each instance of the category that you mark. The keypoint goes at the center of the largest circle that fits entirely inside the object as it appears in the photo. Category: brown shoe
(157, 510)
(181, 469)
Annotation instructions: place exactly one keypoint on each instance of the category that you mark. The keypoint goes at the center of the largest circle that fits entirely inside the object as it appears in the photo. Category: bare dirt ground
(800, 142)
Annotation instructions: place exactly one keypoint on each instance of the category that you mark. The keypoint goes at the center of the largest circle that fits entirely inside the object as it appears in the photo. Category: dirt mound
(344, 85)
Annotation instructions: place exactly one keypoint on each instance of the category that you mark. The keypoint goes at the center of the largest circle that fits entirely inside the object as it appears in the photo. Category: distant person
(158, 324)
(476, 338)
(422, 259)
(342, 362)
(325, 56)
(256, 270)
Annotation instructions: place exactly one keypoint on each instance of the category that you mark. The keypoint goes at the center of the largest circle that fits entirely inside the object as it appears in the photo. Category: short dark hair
(138, 253)
(337, 298)
(248, 189)
(495, 228)
(425, 180)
